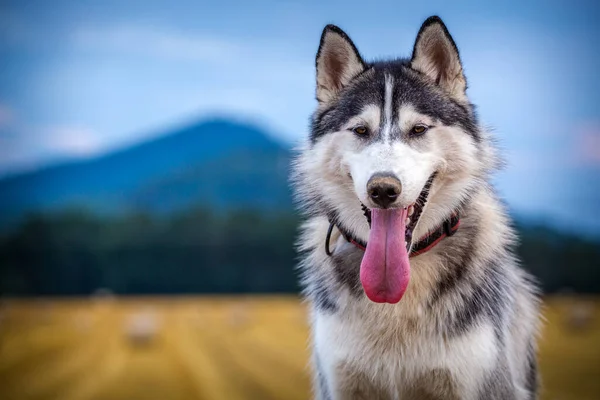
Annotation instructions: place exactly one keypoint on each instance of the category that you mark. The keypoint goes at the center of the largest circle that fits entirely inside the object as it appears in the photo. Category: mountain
(217, 162)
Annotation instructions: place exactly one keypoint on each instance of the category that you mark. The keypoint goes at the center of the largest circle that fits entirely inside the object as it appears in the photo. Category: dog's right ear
(338, 61)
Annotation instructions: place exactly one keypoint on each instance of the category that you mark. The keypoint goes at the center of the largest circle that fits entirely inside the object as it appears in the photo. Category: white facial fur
(411, 166)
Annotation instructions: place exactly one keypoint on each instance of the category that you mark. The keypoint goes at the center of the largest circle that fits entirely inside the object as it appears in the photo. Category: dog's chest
(399, 355)
(376, 341)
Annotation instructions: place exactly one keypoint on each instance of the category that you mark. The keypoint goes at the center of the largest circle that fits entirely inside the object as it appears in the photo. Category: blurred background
(146, 223)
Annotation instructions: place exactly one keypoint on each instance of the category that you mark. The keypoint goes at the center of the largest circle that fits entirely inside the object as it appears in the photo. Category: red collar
(447, 228)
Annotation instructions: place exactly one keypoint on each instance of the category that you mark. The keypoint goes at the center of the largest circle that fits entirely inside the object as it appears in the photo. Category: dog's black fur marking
(350, 102)
(498, 385)
(322, 382)
(486, 298)
(457, 267)
(322, 296)
(409, 88)
(532, 377)
(347, 269)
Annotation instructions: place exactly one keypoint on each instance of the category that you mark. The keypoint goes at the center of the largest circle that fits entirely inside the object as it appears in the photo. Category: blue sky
(79, 78)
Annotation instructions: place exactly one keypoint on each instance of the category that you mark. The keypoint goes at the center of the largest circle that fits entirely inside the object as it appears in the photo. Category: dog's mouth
(414, 212)
(385, 268)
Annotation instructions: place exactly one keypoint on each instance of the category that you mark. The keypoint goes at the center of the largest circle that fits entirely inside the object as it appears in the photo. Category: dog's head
(400, 137)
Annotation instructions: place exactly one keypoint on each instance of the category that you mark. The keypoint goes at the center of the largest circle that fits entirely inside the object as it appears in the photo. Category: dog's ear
(435, 55)
(338, 61)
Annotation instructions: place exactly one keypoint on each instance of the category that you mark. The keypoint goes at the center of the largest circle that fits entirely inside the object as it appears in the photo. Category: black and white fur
(466, 326)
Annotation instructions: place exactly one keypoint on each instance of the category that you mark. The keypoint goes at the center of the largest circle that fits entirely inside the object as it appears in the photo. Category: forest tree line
(199, 251)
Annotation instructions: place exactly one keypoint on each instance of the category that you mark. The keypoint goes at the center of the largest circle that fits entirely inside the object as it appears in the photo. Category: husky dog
(407, 260)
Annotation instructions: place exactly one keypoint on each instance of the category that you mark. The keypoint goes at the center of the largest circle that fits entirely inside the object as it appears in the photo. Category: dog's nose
(384, 189)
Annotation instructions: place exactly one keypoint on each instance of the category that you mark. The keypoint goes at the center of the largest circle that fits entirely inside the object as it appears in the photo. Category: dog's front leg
(352, 384)
(341, 381)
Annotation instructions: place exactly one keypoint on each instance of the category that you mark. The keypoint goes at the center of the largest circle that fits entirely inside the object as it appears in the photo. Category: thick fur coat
(465, 325)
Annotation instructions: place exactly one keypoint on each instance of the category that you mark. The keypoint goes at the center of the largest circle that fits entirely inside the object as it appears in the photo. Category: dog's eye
(360, 130)
(418, 130)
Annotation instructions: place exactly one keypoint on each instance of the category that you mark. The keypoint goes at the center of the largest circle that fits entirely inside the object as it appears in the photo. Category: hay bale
(580, 315)
(103, 295)
(239, 315)
(142, 328)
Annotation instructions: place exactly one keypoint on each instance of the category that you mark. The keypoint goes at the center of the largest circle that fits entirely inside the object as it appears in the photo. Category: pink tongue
(385, 270)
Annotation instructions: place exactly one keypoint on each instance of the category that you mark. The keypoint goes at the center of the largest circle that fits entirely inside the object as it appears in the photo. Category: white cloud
(72, 140)
(155, 42)
(25, 147)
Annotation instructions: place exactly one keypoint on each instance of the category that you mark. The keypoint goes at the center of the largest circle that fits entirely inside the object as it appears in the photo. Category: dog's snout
(384, 189)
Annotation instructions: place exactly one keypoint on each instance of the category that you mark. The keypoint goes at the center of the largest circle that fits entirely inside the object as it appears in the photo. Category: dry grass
(218, 348)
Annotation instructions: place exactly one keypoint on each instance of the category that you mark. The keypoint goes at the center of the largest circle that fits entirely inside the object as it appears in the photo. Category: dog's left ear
(435, 54)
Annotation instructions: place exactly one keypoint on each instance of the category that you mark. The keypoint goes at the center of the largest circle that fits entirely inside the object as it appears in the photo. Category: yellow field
(218, 348)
